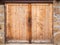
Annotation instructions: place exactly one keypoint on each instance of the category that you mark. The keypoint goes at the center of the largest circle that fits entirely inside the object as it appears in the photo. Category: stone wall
(56, 22)
(1, 23)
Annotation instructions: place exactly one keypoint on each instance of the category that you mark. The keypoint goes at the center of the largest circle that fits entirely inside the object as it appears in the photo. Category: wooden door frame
(29, 28)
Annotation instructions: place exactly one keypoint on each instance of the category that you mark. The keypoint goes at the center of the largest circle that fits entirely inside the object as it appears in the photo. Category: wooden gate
(28, 22)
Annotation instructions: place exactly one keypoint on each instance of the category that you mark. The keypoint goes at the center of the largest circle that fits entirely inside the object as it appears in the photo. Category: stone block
(57, 37)
(1, 27)
(1, 9)
(1, 37)
(1, 18)
(57, 10)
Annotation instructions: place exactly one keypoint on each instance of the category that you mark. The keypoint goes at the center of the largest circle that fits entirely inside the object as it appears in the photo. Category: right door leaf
(41, 22)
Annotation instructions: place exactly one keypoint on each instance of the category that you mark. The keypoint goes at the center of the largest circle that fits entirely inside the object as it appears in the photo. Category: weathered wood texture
(17, 21)
(41, 22)
(26, 1)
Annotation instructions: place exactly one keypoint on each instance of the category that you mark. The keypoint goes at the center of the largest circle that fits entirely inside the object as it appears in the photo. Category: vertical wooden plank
(34, 22)
(8, 25)
(50, 21)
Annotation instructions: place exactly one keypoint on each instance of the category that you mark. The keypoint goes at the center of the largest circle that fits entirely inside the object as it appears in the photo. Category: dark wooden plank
(27, 1)
(57, 0)
(29, 24)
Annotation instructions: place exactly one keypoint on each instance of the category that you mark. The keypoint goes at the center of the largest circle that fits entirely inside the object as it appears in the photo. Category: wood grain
(29, 22)
(41, 22)
(17, 19)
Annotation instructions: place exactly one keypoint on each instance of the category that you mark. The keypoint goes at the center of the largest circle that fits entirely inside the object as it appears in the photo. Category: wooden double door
(28, 22)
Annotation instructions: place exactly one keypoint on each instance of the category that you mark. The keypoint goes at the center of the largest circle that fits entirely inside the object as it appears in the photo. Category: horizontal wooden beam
(26, 1)
(57, 0)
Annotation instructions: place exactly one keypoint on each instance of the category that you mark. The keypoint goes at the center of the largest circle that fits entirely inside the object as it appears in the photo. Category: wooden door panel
(41, 22)
(17, 21)
(18, 25)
